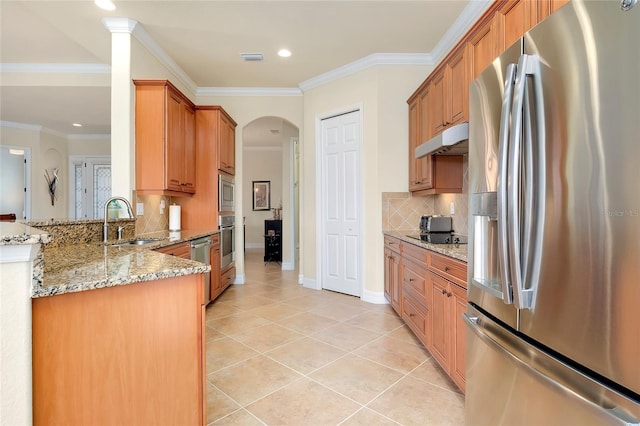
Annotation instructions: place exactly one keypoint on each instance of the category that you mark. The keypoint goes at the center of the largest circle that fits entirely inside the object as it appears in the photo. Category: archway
(271, 154)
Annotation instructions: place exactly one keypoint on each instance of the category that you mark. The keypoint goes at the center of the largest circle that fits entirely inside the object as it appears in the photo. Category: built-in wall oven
(226, 193)
(227, 240)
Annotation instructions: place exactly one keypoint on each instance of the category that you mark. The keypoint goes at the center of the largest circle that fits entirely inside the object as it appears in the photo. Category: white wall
(47, 151)
(260, 164)
(382, 92)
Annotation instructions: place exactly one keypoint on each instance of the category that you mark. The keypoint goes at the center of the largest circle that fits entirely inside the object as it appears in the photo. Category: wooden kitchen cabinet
(429, 174)
(449, 101)
(182, 250)
(124, 355)
(392, 283)
(215, 287)
(514, 18)
(165, 139)
(432, 298)
(227, 145)
(482, 46)
(212, 126)
(449, 302)
(419, 131)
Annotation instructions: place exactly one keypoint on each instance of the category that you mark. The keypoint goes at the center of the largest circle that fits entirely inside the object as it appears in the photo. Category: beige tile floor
(281, 354)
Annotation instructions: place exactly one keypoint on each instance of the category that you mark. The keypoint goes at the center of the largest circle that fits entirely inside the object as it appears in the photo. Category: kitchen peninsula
(118, 333)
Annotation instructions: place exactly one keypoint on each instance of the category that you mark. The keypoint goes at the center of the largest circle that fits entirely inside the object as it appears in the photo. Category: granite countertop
(17, 233)
(456, 251)
(87, 266)
(90, 266)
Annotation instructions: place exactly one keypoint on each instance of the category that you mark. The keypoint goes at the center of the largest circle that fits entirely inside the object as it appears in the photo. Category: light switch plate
(452, 208)
(139, 209)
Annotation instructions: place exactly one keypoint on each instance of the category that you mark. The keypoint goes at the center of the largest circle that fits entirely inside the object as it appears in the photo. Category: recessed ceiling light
(284, 53)
(105, 4)
(77, 125)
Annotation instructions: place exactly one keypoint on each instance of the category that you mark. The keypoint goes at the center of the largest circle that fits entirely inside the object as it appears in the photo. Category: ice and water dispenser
(485, 267)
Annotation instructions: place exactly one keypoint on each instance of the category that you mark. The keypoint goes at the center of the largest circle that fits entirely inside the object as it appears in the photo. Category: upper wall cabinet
(227, 145)
(165, 139)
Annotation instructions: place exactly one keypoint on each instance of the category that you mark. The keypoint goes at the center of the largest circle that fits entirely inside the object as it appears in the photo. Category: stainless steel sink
(138, 242)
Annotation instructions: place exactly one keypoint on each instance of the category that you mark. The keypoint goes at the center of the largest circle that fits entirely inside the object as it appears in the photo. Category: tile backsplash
(152, 220)
(401, 211)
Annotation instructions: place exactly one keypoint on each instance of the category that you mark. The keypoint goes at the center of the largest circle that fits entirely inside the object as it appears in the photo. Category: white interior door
(340, 208)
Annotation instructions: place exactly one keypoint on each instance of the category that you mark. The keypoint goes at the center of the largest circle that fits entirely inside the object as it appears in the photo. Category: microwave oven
(226, 193)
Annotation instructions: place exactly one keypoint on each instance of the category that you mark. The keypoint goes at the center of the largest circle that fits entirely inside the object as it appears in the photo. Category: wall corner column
(122, 107)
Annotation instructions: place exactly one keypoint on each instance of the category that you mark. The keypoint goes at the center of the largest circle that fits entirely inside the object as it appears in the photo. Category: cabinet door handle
(411, 280)
(412, 315)
(444, 291)
(446, 269)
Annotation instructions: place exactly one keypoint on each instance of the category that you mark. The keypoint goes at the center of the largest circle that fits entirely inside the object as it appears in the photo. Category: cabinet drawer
(227, 277)
(393, 244)
(452, 269)
(418, 254)
(416, 317)
(182, 250)
(414, 278)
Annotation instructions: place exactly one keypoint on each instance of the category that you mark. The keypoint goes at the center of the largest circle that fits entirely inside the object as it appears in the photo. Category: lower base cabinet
(431, 302)
(123, 355)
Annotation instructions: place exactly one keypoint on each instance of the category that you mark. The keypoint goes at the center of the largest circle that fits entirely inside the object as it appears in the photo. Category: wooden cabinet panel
(438, 107)
(514, 18)
(227, 146)
(419, 132)
(459, 82)
(449, 268)
(440, 334)
(392, 272)
(123, 355)
(197, 211)
(459, 337)
(416, 317)
(165, 143)
(414, 277)
(182, 250)
(189, 175)
(482, 47)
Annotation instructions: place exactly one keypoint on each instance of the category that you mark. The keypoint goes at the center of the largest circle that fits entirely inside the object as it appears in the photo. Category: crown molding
(119, 25)
(122, 25)
(23, 126)
(93, 137)
(56, 68)
(248, 91)
(469, 16)
(367, 62)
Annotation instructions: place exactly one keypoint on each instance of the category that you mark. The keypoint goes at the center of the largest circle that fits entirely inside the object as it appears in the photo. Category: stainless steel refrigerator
(554, 236)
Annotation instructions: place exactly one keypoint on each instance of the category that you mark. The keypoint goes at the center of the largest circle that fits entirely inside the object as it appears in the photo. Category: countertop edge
(455, 251)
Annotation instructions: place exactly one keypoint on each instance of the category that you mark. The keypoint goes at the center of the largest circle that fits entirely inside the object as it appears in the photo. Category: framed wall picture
(261, 195)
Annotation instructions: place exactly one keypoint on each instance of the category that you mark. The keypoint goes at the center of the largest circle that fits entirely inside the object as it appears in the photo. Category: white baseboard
(310, 283)
(239, 279)
(300, 279)
(288, 266)
(376, 297)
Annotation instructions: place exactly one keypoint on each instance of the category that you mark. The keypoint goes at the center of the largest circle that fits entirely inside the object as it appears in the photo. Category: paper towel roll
(174, 218)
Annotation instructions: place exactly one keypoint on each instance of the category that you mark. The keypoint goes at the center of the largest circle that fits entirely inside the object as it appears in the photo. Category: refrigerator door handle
(503, 152)
(528, 65)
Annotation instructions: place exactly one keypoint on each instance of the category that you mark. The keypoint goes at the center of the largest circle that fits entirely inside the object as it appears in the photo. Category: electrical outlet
(139, 209)
(452, 208)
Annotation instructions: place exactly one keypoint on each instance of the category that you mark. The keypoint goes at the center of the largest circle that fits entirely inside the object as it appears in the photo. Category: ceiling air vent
(252, 57)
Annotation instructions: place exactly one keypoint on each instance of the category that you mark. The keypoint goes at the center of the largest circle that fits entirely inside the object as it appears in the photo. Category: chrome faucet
(105, 228)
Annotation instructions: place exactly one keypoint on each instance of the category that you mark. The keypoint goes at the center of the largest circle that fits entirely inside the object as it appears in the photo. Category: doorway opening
(271, 154)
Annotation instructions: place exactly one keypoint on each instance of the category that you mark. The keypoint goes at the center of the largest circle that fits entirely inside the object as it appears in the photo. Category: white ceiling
(55, 55)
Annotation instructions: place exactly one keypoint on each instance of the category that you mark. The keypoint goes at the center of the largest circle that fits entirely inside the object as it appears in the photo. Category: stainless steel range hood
(452, 141)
